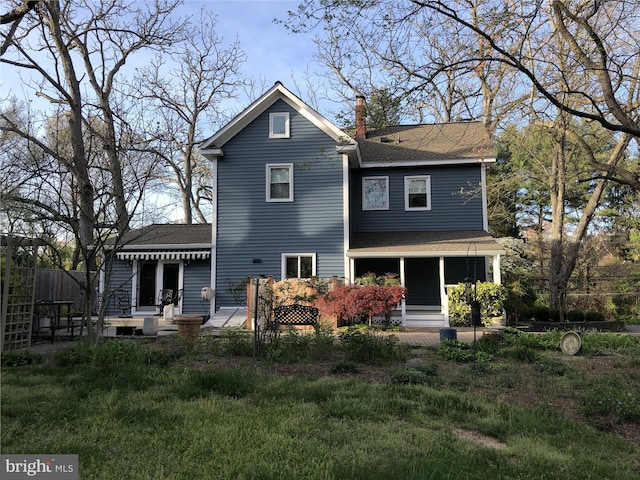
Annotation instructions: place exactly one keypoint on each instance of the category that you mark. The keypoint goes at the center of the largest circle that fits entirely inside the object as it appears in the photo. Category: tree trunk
(557, 177)
(78, 165)
(565, 249)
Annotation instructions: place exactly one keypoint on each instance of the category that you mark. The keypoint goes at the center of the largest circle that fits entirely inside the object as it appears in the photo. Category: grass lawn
(321, 408)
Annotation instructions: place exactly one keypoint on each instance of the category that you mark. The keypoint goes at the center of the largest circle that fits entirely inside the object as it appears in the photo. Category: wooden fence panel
(60, 285)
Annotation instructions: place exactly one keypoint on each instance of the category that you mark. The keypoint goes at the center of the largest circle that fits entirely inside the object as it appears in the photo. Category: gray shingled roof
(170, 234)
(433, 142)
(454, 243)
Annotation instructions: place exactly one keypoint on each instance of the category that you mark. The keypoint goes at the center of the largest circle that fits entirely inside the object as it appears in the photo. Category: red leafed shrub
(348, 301)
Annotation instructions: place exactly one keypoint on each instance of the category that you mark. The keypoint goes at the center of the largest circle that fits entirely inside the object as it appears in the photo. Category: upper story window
(279, 125)
(298, 265)
(417, 192)
(375, 193)
(280, 183)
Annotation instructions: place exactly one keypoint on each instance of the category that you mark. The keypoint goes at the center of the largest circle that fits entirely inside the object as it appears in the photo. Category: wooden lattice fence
(19, 257)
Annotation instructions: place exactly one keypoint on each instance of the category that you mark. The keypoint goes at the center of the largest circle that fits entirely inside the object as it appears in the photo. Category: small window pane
(279, 191)
(280, 175)
(417, 186)
(279, 126)
(306, 267)
(292, 267)
(417, 200)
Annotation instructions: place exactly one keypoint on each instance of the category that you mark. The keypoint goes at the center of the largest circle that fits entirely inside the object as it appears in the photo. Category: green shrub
(547, 341)
(158, 357)
(556, 368)
(366, 346)
(411, 377)
(612, 400)
(521, 353)
(593, 316)
(490, 295)
(541, 314)
(575, 316)
(343, 367)
(18, 358)
(116, 353)
(106, 354)
(235, 383)
(80, 354)
(298, 346)
(597, 343)
(236, 341)
(490, 343)
(461, 352)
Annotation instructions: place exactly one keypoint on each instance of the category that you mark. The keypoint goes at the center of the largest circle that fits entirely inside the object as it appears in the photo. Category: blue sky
(272, 52)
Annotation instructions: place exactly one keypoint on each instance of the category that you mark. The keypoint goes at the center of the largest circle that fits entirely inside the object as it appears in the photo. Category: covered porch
(427, 264)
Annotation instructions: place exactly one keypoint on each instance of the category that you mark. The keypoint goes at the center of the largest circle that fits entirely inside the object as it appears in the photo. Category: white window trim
(286, 125)
(269, 166)
(386, 196)
(283, 272)
(427, 179)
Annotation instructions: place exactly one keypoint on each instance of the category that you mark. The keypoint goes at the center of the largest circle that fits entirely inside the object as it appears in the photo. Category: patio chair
(122, 302)
(168, 296)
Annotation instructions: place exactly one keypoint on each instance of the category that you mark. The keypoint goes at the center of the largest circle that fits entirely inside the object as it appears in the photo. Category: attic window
(279, 125)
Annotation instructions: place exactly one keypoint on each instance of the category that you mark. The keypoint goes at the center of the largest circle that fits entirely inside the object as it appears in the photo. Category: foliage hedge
(544, 314)
(490, 295)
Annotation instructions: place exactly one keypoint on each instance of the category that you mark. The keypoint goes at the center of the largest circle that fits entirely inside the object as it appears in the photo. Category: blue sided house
(297, 197)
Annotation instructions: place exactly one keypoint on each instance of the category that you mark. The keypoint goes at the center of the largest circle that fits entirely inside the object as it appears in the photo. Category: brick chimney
(361, 126)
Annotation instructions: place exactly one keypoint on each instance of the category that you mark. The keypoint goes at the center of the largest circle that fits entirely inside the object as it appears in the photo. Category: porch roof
(423, 244)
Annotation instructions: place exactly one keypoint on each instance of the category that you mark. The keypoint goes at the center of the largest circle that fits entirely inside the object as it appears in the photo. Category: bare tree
(434, 68)
(529, 60)
(14, 17)
(185, 99)
(511, 48)
(602, 38)
(78, 50)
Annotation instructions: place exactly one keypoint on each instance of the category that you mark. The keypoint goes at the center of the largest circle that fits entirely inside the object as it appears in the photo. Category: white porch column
(403, 306)
(497, 277)
(444, 300)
